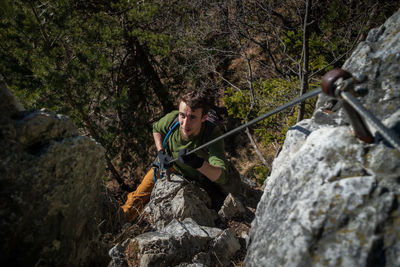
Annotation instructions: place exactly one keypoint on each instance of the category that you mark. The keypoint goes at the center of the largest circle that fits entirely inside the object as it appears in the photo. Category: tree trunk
(153, 78)
(258, 152)
(304, 72)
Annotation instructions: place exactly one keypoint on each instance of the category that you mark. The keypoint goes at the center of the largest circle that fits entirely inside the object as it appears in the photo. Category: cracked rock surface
(332, 200)
(184, 231)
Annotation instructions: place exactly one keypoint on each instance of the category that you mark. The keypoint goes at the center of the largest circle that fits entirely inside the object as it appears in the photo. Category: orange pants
(138, 199)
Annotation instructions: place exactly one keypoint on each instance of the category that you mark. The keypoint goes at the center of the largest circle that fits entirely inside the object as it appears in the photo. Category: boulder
(332, 200)
(179, 199)
(185, 232)
(51, 189)
(232, 207)
(10, 104)
(180, 243)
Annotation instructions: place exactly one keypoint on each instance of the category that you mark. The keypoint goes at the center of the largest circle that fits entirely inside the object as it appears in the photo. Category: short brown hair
(197, 99)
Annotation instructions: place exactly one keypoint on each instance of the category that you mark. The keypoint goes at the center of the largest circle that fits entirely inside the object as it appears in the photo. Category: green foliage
(320, 51)
(268, 95)
(146, 13)
(261, 173)
(334, 29)
(236, 103)
(79, 58)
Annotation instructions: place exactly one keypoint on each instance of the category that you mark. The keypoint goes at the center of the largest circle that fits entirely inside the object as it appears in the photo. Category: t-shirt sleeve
(163, 124)
(217, 154)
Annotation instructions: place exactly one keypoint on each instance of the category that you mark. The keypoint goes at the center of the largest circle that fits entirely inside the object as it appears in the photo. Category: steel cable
(262, 117)
(388, 134)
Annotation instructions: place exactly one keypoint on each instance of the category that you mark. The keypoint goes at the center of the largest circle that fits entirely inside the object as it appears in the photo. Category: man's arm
(161, 127)
(214, 167)
(163, 157)
(212, 172)
(158, 141)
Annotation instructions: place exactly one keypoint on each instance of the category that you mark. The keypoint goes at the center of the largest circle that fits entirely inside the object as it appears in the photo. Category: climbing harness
(158, 167)
(172, 128)
(336, 83)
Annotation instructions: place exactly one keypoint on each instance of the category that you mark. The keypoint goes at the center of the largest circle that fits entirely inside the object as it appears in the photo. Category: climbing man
(191, 126)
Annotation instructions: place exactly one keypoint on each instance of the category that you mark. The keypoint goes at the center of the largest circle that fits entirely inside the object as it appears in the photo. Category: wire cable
(262, 117)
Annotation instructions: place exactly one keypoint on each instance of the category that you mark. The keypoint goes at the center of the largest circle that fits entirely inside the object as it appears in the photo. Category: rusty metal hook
(340, 83)
(334, 83)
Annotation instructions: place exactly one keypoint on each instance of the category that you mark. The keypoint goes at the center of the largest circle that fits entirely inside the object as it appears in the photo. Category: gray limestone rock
(10, 105)
(183, 243)
(332, 200)
(117, 254)
(185, 235)
(51, 189)
(232, 207)
(178, 199)
(224, 246)
(42, 126)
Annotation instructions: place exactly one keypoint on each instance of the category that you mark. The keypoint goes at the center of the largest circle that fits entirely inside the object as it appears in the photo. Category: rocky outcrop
(232, 207)
(179, 200)
(332, 200)
(180, 243)
(51, 189)
(185, 232)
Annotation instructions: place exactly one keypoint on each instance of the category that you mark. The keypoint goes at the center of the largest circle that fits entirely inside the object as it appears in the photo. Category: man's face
(190, 121)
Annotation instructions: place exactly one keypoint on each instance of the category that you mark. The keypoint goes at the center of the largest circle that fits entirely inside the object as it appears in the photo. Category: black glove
(192, 160)
(164, 159)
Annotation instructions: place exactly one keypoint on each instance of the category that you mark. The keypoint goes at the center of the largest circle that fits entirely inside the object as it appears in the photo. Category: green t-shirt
(215, 154)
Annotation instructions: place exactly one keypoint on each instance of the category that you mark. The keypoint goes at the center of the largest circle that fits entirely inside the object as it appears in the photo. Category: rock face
(332, 200)
(184, 234)
(182, 243)
(179, 200)
(50, 191)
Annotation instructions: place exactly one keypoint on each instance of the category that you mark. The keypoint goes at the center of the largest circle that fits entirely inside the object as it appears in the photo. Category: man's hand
(164, 159)
(192, 160)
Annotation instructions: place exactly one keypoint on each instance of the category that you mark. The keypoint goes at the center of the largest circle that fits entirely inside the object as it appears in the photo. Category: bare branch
(250, 82)
(225, 80)
(305, 58)
(41, 25)
(258, 152)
